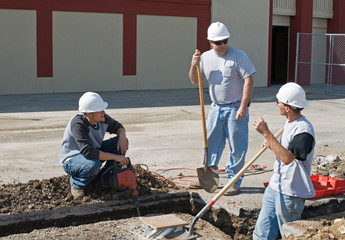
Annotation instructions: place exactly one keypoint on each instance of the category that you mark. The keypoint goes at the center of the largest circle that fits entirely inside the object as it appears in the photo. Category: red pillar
(337, 23)
(44, 43)
(202, 42)
(302, 22)
(129, 44)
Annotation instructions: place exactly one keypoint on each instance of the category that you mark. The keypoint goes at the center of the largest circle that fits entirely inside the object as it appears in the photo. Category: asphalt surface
(164, 132)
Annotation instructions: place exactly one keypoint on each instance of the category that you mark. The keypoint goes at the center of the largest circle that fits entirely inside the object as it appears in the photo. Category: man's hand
(193, 73)
(122, 160)
(241, 113)
(265, 144)
(196, 58)
(260, 125)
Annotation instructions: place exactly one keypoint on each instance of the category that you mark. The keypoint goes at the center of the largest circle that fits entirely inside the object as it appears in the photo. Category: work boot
(77, 193)
(195, 185)
(232, 191)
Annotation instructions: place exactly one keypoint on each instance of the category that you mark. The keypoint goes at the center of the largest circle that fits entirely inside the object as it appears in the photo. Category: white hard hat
(293, 95)
(217, 31)
(91, 102)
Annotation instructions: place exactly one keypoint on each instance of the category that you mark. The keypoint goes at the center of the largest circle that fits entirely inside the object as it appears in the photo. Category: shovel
(207, 175)
(226, 187)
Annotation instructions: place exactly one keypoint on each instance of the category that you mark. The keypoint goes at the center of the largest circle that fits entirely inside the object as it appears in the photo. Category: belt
(227, 103)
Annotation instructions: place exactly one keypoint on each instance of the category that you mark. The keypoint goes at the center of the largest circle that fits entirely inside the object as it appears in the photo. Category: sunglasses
(225, 41)
(279, 104)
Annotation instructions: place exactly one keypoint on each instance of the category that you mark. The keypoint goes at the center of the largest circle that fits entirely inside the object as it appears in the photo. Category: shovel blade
(208, 178)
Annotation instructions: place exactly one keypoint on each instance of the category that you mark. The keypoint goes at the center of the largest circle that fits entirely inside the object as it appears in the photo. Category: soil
(55, 193)
(329, 166)
(323, 230)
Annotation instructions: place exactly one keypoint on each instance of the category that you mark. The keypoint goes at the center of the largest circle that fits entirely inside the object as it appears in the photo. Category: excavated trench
(93, 212)
(48, 203)
(236, 227)
(41, 204)
(161, 203)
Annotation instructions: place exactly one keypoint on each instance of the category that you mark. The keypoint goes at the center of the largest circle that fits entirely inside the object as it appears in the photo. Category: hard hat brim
(291, 104)
(218, 38)
(102, 108)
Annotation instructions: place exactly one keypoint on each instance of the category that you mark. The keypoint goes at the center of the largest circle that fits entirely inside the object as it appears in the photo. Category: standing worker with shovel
(229, 73)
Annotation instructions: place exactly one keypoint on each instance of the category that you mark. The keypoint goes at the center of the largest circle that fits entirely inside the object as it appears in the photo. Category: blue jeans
(82, 170)
(222, 125)
(277, 209)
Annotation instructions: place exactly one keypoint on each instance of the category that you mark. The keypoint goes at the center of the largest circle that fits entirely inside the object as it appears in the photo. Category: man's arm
(115, 127)
(246, 96)
(121, 159)
(122, 143)
(282, 153)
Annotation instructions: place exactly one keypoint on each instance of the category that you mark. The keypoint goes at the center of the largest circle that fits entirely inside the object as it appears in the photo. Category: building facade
(107, 45)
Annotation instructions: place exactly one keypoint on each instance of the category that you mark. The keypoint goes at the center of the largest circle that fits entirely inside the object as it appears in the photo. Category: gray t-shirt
(225, 74)
(82, 138)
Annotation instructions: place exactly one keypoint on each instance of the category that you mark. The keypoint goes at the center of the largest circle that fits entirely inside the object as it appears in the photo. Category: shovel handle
(202, 113)
(239, 174)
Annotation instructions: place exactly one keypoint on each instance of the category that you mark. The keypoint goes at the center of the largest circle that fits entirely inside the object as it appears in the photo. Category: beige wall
(17, 51)
(87, 49)
(248, 23)
(87, 52)
(278, 20)
(164, 51)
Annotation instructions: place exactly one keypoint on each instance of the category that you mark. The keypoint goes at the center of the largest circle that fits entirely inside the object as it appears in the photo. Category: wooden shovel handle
(202, 113)
(239, 174)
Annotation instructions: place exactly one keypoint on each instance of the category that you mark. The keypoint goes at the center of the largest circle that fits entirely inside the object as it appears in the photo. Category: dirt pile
(55, 192)
(329, 166)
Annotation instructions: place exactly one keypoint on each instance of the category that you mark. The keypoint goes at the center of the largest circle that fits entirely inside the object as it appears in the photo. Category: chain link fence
(320, 59)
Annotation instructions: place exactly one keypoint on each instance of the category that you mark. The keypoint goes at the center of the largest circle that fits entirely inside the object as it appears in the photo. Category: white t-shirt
(294, 179)
(225, 74)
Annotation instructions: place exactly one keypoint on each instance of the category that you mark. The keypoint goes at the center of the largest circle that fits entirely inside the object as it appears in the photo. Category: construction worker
(83, 149)
(290, 184)
(229, 73)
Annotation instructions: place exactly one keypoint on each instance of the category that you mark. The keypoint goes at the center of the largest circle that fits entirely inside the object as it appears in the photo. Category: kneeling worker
(83, 149)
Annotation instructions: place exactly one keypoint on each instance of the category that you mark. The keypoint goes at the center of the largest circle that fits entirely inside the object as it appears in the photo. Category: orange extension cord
(185, 179)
